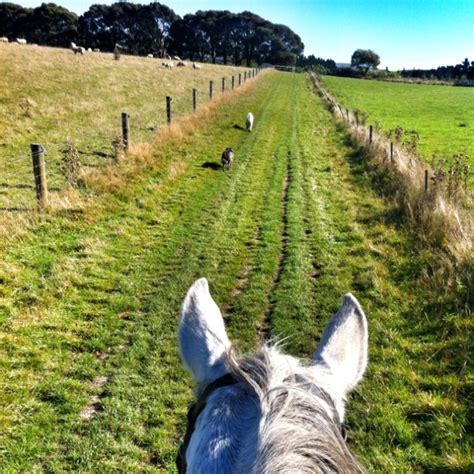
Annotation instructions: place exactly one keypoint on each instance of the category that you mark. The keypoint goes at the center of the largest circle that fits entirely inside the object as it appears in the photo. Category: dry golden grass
(50, 95)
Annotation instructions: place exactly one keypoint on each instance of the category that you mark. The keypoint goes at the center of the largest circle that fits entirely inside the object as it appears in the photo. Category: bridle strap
(224, 381)
(193, 413)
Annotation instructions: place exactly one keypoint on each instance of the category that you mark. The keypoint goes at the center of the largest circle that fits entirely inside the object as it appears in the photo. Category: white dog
(249, 121)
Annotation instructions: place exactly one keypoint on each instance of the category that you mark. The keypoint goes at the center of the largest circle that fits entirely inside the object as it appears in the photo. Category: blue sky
(405, 33)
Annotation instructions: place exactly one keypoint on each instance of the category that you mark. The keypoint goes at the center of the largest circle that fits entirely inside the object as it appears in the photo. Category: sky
(405, 33)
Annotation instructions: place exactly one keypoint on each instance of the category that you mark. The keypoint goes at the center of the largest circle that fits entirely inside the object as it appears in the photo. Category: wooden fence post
(223, 84)
(371, 131)
(426, 181)
(194, 99)
(245, 76)
(391, 152)
(233, 80)
(168, 109)
(356, 118)
(240, 78)
(125, 131)
(210, 89)
(39, 172)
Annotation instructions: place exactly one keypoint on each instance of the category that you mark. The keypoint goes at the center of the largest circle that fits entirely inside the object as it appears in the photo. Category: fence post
(245, 76)
(356, 118)
(39, 172)
(125, 131)
(168, 109)
(240, 78)
(391, 152)
(371, 130)
(223, 84)
(426, 181)
(210, 89)
(194, 99)
(233, 82)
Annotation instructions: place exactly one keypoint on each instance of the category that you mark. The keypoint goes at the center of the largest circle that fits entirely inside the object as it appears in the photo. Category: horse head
(268, 412)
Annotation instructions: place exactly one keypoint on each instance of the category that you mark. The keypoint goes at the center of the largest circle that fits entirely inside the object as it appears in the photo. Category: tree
(222, 36)
(319, 65)
(13, 19)
(52, 24)
(139, 29)
(365, 59)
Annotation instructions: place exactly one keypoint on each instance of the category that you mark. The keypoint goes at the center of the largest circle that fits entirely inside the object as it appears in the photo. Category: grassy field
(90, 378)
(443, 116)
(50, 95)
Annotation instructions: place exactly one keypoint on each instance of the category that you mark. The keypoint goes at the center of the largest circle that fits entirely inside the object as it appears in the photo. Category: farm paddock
(90, 375)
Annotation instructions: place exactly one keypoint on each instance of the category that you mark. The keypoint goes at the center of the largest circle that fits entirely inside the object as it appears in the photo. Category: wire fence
(436, 201)
(95, 147)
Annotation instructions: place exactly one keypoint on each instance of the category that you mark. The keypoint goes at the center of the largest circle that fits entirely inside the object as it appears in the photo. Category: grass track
(281, 237)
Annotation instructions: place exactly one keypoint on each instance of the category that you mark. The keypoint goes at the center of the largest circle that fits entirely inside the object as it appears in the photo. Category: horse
(268, 412)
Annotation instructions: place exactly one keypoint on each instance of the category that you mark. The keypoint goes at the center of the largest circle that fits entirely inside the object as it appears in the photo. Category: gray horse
(268, 413)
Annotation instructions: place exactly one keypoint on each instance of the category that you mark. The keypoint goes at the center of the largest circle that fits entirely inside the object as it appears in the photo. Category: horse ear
(343, 349)
(203, 339)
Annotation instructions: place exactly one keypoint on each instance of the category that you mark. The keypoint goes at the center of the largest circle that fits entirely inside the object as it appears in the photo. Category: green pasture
(443, 116)
(89, 300)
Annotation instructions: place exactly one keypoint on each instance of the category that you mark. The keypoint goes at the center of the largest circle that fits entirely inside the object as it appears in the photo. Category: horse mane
(296, 434)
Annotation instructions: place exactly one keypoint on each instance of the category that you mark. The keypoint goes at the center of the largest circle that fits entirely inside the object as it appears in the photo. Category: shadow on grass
(239, 127)
(15, 209)
(212, 165)
(96, 153)
(16, 186)
(364, 175)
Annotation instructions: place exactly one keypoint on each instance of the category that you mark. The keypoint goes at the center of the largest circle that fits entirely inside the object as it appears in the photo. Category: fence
(31, 180)
(391, 152)
(437, 215)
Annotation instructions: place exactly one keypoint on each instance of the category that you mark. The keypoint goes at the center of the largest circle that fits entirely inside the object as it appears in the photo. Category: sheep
(149, 56)
(249, 121)
(3, 39)
(168, 65)
(168, 57)
(21, 40)
(77, 49)
(227, 158)
(96, 50)
(196, 66)
(177, 58)
(180, 64)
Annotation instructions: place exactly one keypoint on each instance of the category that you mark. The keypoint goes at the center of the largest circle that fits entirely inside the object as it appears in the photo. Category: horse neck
(226, 433)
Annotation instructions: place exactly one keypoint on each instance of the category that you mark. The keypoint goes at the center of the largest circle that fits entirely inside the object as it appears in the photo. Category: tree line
(217, 36)
(459, 72)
